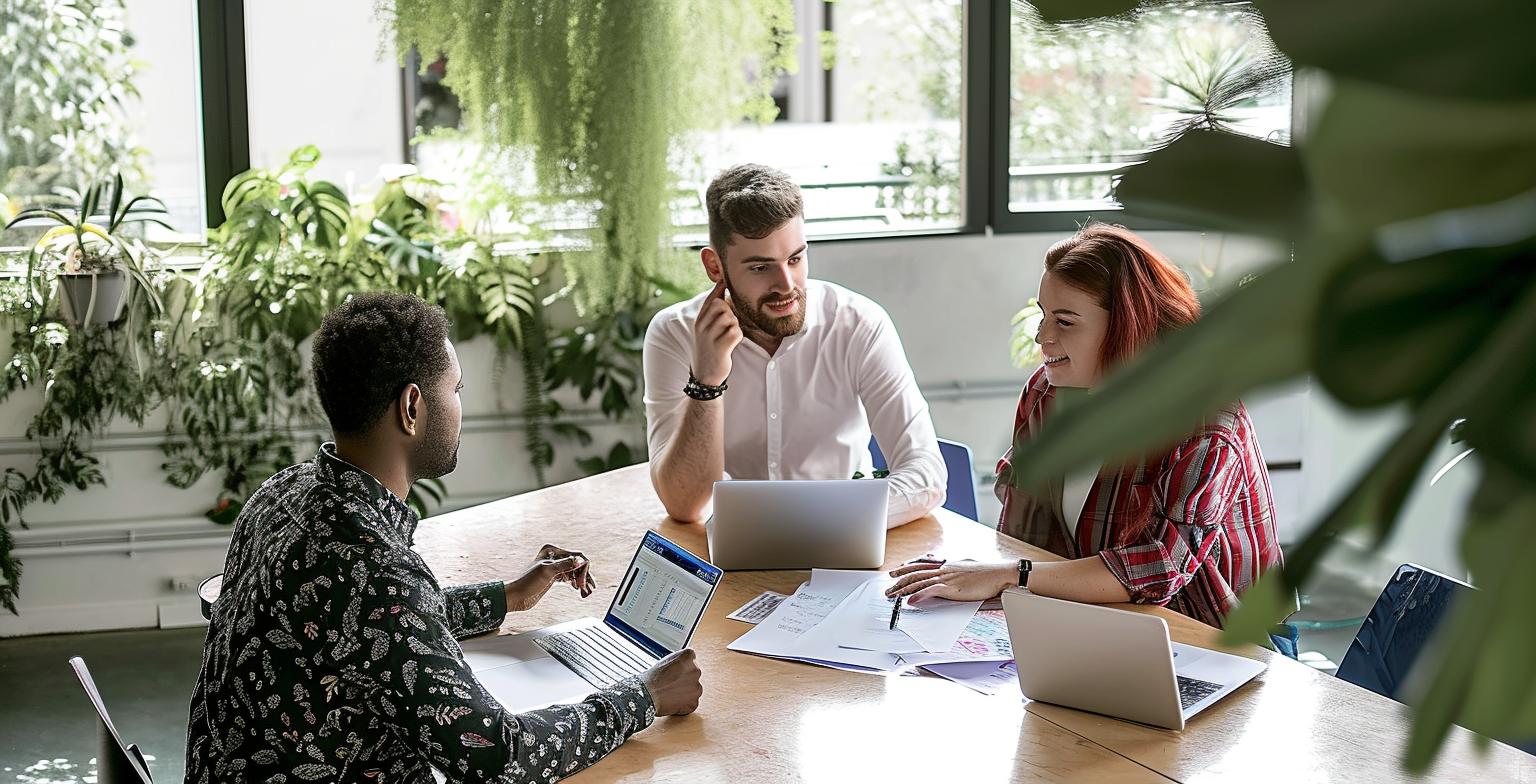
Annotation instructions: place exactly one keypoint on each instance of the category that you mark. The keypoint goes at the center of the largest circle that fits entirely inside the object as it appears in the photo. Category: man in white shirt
(819, 368)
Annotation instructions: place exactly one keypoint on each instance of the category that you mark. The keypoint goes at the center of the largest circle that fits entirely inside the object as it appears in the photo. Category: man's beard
(758, 318)
(437, 454)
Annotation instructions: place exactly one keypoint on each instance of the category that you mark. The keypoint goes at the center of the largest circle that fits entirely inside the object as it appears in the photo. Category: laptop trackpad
(538, 683)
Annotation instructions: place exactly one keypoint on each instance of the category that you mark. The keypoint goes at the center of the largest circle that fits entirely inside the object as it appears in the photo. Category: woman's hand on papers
(553, 565)
(674, 684)
(966, 581)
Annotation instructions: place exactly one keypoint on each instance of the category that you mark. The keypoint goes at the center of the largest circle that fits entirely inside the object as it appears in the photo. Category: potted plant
(93, 259)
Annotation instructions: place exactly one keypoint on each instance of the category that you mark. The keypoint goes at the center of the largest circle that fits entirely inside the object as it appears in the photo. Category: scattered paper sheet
(759, 608)
(983, 676)
(933, 626)
(985, 639)
(794, 629)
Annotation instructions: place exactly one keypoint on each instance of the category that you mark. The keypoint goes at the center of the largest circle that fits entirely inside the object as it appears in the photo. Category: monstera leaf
(1409, 209)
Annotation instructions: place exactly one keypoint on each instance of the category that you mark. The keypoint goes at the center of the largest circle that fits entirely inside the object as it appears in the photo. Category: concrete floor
(47, 730)
(47, 725)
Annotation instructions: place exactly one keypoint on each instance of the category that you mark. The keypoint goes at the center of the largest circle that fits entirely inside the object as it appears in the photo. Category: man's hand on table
(553, 564)
(674, 684)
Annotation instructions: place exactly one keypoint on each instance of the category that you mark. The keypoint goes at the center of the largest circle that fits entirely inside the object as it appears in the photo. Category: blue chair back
(1403, 619)
(960, 494)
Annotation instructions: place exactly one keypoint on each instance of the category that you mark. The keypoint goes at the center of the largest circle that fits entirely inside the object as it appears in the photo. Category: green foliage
(88, 240)
(599, 92)
(601, 359)
(1113, 89)
(425, 495)
(87, 375)
(1026, 324)
(621, 455)
(67, 77)
(1410, 211)
(222, 355)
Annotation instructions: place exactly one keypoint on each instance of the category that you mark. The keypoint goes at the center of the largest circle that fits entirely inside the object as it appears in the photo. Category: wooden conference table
(763, 720)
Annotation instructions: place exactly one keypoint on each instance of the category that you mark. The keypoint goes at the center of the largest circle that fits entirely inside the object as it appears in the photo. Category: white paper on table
(795, 629)
(933, 626)
(759, 608)
(987, 677)
(811, 603)
(985, 639)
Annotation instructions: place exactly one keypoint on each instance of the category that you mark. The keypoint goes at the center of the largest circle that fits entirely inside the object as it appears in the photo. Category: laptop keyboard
(1192, 690)
(595, 655)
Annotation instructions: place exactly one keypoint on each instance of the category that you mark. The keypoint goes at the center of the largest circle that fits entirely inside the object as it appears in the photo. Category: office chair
(115, 762)
(960, 493)
(1402, 621)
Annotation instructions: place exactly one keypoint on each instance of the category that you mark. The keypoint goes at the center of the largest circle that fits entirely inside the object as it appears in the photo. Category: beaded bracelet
(699, 390)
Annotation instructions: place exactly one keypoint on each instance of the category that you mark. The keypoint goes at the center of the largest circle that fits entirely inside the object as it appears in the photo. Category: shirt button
(772, 365)
(773, 464)
(773, 416)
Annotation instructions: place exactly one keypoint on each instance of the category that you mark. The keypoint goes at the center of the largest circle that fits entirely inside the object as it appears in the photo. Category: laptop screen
(662, 596)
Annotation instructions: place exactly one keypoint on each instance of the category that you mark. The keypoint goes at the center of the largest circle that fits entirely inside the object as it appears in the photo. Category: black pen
(895, 611)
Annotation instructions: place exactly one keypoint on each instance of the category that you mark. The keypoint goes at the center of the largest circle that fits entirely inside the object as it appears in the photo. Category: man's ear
(409, 407)
(712, 264)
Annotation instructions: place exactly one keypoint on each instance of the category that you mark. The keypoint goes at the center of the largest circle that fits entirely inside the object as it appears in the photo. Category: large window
(327, 81)
(870, 126)
(90, 87)
(1086, 99)
(903, 116)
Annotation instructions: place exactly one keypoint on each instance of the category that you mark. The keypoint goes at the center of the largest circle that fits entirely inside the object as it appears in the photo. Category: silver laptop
(798, 524)
(1115, 662)
(660, 601)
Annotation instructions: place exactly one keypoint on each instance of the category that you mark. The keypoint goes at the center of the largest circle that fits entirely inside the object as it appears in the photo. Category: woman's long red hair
(1145, 294)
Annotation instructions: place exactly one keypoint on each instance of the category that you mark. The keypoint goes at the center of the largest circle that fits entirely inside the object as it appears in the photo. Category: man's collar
(349, 480)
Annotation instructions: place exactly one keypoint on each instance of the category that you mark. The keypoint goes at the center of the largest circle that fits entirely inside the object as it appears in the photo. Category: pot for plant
(97, 296)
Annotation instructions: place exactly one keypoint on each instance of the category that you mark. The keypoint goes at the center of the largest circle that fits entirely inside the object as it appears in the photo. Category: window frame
(986, 27)
(224, 105)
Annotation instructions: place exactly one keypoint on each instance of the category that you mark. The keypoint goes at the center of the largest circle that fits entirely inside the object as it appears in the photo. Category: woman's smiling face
(1071, 333)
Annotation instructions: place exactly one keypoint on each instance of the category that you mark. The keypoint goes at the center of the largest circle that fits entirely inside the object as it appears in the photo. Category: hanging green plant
(599, 91)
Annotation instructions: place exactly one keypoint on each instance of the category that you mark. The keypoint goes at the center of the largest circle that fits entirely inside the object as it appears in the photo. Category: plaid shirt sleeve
(1190, 501)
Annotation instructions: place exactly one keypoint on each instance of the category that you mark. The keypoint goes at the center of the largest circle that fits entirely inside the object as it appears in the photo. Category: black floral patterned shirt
(332, 655)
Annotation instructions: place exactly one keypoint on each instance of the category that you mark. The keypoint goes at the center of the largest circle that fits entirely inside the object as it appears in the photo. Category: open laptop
(798, 524)
(660, 600)
(1115, 662)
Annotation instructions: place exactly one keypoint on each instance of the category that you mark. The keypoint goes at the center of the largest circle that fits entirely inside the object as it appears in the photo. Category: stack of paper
(841, 619)
(985, 639)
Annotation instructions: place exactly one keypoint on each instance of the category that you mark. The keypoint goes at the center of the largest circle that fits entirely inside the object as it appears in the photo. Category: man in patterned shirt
(332, 652)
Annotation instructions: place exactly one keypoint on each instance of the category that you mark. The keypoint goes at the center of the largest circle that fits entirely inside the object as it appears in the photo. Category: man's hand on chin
(553, 564)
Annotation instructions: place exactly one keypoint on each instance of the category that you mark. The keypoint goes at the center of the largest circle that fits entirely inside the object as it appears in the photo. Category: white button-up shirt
(807, 411)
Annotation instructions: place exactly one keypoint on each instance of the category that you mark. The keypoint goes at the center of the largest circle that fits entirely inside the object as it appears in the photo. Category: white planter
(99, 296)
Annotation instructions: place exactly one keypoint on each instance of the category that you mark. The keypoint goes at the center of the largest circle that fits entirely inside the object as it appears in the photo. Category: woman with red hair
(1190, 528)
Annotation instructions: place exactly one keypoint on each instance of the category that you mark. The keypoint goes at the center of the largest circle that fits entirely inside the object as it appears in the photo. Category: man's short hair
(367, 351)
(751, 200)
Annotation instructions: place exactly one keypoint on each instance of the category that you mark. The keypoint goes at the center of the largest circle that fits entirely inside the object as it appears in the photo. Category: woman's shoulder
(1228, 426)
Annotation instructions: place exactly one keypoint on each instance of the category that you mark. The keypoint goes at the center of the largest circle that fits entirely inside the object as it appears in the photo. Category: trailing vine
(599, 92)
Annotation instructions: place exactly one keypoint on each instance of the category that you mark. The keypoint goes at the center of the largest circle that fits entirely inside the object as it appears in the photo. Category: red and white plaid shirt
(1191, 529)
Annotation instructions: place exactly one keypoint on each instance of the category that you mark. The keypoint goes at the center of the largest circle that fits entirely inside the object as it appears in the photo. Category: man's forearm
(693, 461)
